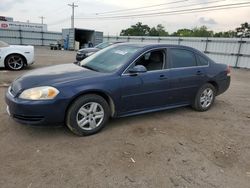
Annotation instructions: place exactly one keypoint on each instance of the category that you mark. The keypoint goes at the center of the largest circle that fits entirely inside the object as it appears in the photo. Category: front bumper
(49, 112)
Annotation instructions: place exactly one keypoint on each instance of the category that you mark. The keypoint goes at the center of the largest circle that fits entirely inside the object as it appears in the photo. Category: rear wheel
(204, 98)
(15, 62)
(87, 115)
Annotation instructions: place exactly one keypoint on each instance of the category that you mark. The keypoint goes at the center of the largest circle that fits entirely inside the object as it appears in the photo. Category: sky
(57, 14)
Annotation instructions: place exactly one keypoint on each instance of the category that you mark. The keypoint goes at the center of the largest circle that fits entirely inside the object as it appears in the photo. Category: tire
(87, 115)
(204, 98)
(15, 62)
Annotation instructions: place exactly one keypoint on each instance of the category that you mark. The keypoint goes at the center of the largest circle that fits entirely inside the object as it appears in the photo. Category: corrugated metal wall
(232, 51)
(98, 37)
(29, 37)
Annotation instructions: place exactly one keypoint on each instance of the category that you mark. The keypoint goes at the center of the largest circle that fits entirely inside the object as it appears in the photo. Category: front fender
(110, 92)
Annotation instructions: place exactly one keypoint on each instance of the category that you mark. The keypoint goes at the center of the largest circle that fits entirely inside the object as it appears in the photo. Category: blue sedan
(121, 80)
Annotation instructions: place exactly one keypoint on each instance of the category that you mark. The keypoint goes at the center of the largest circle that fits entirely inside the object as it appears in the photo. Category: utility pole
(42, 18)
(73, 13)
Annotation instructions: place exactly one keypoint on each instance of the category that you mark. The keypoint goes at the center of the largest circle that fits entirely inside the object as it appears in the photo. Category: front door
(147, 90)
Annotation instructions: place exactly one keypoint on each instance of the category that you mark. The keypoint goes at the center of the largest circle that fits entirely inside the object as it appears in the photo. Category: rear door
(186, 76)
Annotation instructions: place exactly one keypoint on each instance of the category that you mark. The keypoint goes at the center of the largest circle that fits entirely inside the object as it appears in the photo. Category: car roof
(151, 45)
(156, 45)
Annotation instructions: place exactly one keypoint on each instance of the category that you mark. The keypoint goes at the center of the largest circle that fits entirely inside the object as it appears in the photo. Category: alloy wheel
(206, 98)
(90, 116)
(15, 62)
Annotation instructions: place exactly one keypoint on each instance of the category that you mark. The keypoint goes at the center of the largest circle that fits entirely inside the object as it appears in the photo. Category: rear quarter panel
(218, 73)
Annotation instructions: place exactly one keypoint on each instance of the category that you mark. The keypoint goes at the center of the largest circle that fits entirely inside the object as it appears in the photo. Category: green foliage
(195, 32)
(158, 31)
(144, 30)
(136, 30)
(227, 34)
(202, 32)
(244, 30)
(183, 33)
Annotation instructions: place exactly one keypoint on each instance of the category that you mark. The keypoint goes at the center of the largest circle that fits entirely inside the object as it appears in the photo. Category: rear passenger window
(202, 61)
(182, 58)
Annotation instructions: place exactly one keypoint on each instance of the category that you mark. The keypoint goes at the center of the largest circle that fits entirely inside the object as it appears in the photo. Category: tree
(244, 30)
(136, 30)
(144, 30)
(183, 33)
(195, 32)
(158, 31)
(227, 34)
(202, 32)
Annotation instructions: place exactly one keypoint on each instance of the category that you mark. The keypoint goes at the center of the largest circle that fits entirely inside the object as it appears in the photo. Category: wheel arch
(215, 84)
(101, 93)
(16, 53)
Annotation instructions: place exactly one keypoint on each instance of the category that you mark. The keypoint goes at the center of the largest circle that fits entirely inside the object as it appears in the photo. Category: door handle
(163, 77)
(198, 73)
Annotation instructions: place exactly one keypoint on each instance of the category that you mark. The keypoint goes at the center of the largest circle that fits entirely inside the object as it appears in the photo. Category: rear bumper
(223, 85)
(51, 112)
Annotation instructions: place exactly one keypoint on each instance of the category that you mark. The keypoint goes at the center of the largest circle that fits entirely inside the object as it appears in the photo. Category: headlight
(39, 93)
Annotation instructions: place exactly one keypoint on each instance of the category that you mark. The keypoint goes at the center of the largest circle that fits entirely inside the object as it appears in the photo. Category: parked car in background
(15, 57)
(85, 52)
(58, 45)
(120, 80)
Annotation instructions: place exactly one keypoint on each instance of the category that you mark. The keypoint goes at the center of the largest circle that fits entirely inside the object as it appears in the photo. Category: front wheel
(204, 98)
(14, 62)
(87, 115)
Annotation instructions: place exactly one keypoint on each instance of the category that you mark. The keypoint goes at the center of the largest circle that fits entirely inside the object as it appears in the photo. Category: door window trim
(164, 67)
(198, 60)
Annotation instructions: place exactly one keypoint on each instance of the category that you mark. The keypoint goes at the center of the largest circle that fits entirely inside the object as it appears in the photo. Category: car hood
(88, 50)
(53, 76)
(21, 47)
(18, 48)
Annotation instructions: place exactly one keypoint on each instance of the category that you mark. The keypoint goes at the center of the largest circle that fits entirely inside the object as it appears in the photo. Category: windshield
(3, 44)
(109, 59)
(103, 45)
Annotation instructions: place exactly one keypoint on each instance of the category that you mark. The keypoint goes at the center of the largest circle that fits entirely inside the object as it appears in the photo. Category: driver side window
(153, 60)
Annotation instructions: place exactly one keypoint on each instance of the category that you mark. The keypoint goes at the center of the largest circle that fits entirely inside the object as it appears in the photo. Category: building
(26, 33)
(9, 23)
(76, 38)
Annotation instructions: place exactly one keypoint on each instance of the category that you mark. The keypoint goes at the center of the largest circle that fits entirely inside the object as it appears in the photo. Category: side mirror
(138, 69)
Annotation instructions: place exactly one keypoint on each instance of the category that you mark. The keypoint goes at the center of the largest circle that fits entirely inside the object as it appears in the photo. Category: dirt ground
(174, 148)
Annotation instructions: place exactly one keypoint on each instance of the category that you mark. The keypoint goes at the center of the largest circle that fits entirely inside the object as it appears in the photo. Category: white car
(15, 57)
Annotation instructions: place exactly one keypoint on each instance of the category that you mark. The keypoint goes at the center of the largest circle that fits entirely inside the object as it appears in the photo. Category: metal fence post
(20, 35)
(159, 39)
(179, 40)
(238, 53)
(42, 39)
(206, 45)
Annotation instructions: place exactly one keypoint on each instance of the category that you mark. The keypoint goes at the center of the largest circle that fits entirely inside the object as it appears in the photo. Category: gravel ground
(174, 148)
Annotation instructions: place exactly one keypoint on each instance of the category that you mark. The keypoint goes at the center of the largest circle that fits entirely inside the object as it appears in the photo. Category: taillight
(228, 71)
